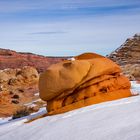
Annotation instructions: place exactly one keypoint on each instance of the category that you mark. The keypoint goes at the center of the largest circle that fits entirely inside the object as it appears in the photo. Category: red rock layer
(12, 59)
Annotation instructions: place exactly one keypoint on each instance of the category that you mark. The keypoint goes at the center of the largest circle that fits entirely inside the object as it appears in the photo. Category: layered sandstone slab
(89, 79)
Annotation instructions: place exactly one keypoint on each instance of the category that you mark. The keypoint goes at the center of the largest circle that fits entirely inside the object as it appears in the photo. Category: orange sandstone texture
(89, 79)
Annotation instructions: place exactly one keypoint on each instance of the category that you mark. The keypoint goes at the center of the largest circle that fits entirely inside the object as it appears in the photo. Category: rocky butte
(128, 57)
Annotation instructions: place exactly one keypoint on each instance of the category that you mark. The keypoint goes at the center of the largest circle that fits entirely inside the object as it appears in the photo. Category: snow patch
(114, 120)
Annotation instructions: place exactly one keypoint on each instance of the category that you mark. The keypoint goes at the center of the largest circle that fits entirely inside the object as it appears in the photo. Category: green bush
(21, 113)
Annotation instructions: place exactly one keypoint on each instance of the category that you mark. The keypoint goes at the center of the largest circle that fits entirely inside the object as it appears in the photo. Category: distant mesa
(13, 59)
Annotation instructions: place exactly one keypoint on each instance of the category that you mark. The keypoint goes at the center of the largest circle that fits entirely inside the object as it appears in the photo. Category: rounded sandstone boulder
(61, 77)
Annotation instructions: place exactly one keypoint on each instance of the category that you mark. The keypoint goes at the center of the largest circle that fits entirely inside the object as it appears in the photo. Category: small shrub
(19, 73)
(21, 113)
(11, 93)
(15, 101)
(16, 96)
(21, 90)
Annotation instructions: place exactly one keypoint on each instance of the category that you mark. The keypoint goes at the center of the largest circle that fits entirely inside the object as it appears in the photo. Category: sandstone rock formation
(12, 59)
(11, 78)
(89, 79)
(128, 56)
(19, 78)
(17, 86)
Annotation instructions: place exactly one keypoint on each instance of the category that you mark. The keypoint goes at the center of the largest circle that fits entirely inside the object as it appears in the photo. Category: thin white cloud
(48, 33)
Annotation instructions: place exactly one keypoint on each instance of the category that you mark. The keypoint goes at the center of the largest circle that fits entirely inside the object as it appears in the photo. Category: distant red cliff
(13, 59)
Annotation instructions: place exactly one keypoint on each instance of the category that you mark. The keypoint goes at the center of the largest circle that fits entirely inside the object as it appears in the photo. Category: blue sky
(67, 27)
